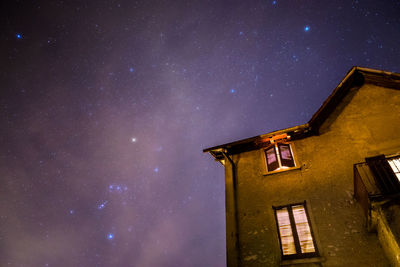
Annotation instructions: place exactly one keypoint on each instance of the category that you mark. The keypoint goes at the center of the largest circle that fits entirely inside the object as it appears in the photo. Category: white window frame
(277, 154)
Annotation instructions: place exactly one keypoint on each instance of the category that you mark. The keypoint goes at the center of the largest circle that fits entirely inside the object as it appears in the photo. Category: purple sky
(105, 107)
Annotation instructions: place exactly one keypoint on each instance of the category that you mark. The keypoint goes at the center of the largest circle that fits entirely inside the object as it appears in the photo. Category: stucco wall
(366, 123)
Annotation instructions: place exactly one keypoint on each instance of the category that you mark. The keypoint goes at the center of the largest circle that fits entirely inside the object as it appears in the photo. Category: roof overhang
(356, 77)
(257, 142)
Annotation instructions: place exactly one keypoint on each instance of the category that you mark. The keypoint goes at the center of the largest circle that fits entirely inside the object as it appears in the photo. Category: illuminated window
(395, 165)
(295, 234)
(279, 156)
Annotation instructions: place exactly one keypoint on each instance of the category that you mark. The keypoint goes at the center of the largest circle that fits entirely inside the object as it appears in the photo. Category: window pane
(286, 155)
(272, 161)
(395, 165)
(285, 230)
(303, 229)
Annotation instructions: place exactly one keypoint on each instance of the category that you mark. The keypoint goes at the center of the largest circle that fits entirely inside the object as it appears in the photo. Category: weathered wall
(392, 214)
(366, 123)
(386, 235)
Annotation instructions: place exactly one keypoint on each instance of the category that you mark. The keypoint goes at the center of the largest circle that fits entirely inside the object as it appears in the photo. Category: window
(295, 233)
(279, 156)
(395, 165)
(386, 173)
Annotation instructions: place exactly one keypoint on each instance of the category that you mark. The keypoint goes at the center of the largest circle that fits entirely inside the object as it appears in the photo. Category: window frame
(277, 151)
(299, 254)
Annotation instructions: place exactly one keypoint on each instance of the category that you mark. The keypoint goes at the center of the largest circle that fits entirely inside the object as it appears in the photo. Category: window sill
(303, 261)
(282, 170)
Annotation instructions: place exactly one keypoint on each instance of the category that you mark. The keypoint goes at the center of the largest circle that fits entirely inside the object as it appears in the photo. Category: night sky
(105, 107)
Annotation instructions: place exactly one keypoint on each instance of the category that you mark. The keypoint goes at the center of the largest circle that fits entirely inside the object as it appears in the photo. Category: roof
(356, 77)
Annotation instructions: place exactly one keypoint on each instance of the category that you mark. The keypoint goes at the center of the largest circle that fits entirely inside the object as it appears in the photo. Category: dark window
(286, 155)
(279, 156)
(384, 171)
(295, 233)
(272, 160)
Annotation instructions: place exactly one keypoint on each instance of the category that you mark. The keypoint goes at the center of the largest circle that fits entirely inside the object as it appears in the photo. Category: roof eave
(357, 76)
(255, 142)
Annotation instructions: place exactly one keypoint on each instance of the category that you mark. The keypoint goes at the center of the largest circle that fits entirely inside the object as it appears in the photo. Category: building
(325, 193)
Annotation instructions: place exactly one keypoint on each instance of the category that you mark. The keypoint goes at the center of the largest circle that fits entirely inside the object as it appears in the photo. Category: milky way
(107, 105)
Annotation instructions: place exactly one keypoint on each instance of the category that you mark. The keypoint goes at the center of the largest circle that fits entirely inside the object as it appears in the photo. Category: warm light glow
(275, 138)
(282, 168)
(279, 137)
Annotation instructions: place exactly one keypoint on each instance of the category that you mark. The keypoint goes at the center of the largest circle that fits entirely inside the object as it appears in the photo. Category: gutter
(235, 206)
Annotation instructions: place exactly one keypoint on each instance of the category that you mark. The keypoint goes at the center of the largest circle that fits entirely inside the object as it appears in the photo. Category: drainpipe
(235, 206)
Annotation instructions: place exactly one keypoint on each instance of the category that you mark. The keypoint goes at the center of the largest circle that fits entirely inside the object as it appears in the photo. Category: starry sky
(105, 107)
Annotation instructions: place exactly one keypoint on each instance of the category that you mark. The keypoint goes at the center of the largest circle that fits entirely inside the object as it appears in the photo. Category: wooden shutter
(272, 161)
(285, 232)
(303, 229)
(295, 233)
(286, 155)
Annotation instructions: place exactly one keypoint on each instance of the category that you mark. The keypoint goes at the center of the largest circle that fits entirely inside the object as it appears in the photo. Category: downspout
(234, 182)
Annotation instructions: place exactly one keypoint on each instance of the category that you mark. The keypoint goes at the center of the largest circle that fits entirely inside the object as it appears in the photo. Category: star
(116, 188)
(133, 139)
(110, 236)
(131, 69)
(71, 211)
(156, 169)
(306, 28)
(102, 205)
(274, 2)
(19, 36)
(232, 91)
